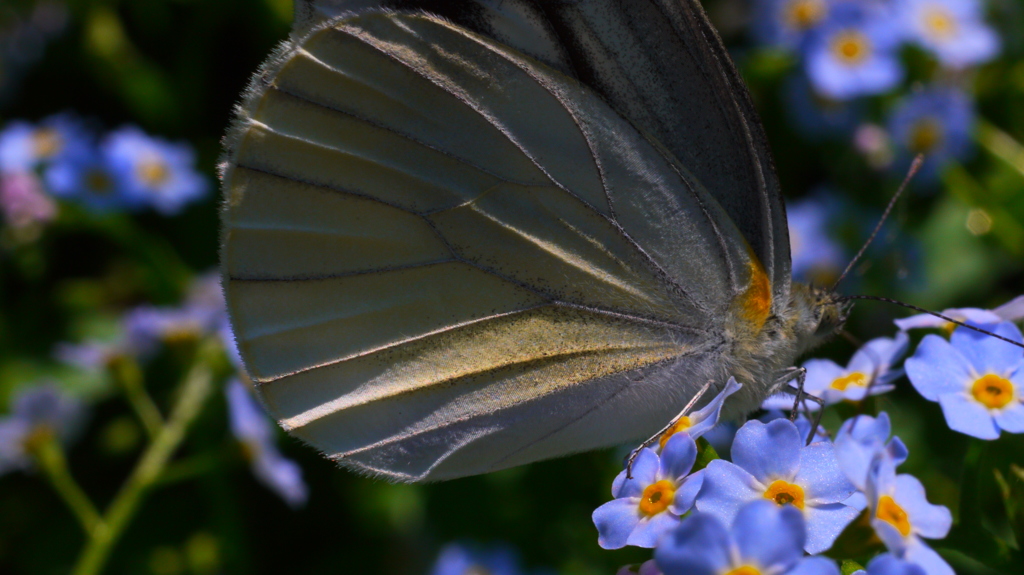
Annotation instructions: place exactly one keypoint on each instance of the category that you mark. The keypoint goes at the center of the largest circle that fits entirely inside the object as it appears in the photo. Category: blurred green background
(176, 68)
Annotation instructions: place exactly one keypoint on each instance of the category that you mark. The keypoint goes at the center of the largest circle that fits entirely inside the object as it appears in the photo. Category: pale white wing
(444, 258)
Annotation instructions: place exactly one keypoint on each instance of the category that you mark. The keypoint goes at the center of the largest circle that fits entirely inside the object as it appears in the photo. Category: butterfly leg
(800, 397)
(686, 409)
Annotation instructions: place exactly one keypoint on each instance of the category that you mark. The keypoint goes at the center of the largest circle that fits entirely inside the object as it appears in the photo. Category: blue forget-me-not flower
(27, 147)
(37, 413)
(23, 201)
(786, 23)
(457, 559)
(88, 179)
(816, 256)
(1012, 310)
(250, 426)
(152, 171)
(901, 515)
(977, 379)
(889, 564)
(770, 461)
(937, 123)
(951, 29)
(762, 539)
(869, 372)
(853, 52)
(650, 503)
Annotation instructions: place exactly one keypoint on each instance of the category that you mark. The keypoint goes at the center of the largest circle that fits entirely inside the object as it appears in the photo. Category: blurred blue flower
(863, 439)
(648, 505)
(202, 313)
(762, 538)
(770, 461)
(23, 201)
(786, 23)
(648, 567)
(853, 52)
(152, 171)
(37, 413)
(869, 372)
(816, 256)
(456, 559)
(816, 116)
(901, 516)
(977, 379)
(935, 122)
(889, 564)
(704, 419)
(86, 178)
(952, 29)
(250, 426)
(1012, 310)
(25, 147)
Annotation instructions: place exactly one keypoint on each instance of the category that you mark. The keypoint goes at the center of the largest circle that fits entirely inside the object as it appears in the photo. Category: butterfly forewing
(443, 257)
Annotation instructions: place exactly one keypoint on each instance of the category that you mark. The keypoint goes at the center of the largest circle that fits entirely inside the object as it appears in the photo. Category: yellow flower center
(657, 497)
(890, 512)
(938, 22)
(856, 379)
(925, 136)
(851, 47)
(98, 182)
(47, 142)
(683, 424)
(745, 570)
(804, 14)
(992, 391)
(153, 172)
(783, 493)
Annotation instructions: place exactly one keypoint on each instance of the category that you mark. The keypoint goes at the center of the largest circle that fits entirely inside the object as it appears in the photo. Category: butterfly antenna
(929, 312)
(915, 166)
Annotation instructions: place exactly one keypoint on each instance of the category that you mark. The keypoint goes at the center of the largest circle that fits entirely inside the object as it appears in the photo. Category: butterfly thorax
(761, 360)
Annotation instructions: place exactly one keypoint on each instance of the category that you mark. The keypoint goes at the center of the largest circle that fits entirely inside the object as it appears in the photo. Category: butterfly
(465, 235)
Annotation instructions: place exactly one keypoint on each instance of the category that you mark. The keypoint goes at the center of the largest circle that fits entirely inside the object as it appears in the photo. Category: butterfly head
(820, 314)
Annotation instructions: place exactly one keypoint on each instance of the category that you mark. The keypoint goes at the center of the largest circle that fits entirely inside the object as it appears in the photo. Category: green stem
(129, 376)
(194, 391)
(50, 456)
(1001, 145)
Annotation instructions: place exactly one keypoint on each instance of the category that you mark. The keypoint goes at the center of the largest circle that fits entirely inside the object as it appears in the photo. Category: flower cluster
(849, 49)
(202, 314)
(61, 157)
(784, 495)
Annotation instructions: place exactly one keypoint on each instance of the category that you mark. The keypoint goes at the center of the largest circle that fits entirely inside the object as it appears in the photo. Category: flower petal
(937, 367)
(678, 456)
(889, 564)
(967, 416)
(1011, 417)
(820, 375)
(768, 451)
(707, 417)
(1012, 310)
(687, 493)
(926, 519)
(645, 472)
(699, 546)
(726, 488)
(615, 521)
(769, 535)
(651, 529)
(986, 353)
(815, 566)
(825, 523)
(820, 475)
(926, 557)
